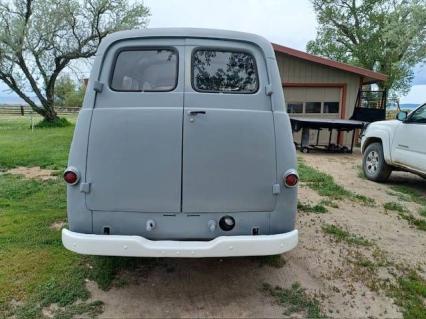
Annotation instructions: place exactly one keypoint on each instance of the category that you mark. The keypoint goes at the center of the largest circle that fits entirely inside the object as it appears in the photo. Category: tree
(387, 36)
(40, 38)
(68, 93)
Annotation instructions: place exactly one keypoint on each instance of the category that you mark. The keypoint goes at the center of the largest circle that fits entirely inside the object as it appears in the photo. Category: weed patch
(105, 269)
(342, 235)
(295, 300)
(60, 122)
(325, 185)
(410, 295)
(410, 194)
(394, 206)
(419, 223)
(318, 208)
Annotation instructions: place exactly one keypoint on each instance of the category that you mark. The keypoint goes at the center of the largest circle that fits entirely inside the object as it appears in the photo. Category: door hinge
(85, 187)
(268, 89)
(98, 86)
(276, 189)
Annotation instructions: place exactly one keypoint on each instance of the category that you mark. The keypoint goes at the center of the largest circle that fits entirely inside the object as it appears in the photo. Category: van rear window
(153, 70)
(224, 71)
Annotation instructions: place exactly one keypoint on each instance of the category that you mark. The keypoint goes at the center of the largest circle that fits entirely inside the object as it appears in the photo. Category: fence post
(22, 110)
(32, 122)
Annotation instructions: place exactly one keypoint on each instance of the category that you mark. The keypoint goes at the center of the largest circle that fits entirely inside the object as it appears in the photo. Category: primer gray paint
(146, 159)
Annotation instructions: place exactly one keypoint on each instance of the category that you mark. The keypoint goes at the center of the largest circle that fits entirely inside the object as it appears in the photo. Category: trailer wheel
(374, 165)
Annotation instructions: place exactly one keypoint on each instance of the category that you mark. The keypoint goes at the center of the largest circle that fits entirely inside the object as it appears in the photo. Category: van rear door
(135, 142)
(229, 162)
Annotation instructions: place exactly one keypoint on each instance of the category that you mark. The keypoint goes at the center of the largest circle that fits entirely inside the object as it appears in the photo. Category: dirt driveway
(347, 279)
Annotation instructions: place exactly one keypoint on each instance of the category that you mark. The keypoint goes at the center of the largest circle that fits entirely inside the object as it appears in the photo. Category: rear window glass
(224, 72)
(153, 70)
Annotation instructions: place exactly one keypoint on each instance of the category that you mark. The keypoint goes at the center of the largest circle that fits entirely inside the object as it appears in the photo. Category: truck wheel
(374, 165)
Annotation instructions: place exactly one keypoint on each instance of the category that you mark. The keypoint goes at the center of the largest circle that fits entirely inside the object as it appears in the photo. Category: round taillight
(291, 180)
(71, 177)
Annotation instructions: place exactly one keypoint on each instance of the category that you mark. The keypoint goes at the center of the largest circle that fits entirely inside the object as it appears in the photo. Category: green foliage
(295, 300)
(68, 93)
(59, 122)
(380, 35)
(342, 235)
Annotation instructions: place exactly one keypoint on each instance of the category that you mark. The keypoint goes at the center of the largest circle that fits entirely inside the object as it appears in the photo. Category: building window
(331, 107)
(313, 107)
(295, 107)
(218, 71)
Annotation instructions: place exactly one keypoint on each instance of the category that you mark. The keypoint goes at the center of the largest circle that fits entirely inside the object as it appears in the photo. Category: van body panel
(134, 159)
(228, 161)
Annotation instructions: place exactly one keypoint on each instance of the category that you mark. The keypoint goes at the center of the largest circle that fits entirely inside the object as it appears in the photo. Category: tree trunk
(49, 113)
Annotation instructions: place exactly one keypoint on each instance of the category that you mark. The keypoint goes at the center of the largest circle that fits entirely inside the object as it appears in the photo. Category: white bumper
(136, 246)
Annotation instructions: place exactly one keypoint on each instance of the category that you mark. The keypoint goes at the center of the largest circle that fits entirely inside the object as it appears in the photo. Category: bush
(59, 122)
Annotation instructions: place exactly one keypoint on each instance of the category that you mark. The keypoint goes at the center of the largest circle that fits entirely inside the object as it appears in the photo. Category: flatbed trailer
(340, 125)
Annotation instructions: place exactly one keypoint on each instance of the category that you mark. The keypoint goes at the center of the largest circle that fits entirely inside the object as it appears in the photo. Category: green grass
(295, 300)
(394, 206)
(410, 194)
(342, 235)
(20, 146)
(422, 211)
(317, 209)
(34, 267)
(419, 223)
(410, 295)
(325, 185)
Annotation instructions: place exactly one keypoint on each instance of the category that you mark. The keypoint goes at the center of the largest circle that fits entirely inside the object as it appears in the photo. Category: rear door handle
(194, 113)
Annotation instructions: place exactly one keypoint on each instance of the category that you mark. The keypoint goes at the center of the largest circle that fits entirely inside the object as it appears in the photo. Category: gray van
(182, 148)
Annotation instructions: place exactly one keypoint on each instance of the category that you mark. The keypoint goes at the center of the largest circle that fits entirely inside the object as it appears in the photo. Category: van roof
(261, 42)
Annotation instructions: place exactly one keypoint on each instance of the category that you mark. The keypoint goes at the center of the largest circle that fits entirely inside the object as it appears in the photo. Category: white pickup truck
(395, 145)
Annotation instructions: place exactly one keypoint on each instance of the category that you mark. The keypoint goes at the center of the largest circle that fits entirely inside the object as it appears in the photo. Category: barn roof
(367, 75)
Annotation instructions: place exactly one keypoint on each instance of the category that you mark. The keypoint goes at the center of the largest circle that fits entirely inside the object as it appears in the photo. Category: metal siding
(294, 70)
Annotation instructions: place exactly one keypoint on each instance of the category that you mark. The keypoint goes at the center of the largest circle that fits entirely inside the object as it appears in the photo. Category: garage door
(314, 103)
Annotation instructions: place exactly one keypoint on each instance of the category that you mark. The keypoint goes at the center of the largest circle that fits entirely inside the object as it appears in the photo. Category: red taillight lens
(71, 177)
(291, 180)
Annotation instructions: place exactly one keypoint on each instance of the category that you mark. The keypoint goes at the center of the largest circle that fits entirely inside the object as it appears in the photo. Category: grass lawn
(35, 269)
(20, 146)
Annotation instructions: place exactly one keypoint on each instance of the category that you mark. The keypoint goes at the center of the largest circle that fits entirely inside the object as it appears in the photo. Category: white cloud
(416, 95)
(286, 22)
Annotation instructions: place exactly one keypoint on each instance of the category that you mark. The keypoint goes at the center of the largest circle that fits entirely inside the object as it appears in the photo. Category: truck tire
(374, 165)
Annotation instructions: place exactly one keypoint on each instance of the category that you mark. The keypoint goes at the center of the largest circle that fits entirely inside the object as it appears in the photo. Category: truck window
(218, 71)
(151, 70)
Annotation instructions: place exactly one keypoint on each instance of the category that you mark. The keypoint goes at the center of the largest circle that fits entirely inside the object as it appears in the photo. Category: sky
(288, 22)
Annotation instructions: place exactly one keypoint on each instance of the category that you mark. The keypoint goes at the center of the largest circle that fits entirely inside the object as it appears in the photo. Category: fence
(23, 110)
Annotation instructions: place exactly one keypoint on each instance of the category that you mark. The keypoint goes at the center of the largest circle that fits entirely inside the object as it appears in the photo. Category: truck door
(229, 160)
(409, 146)
(135, 142)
